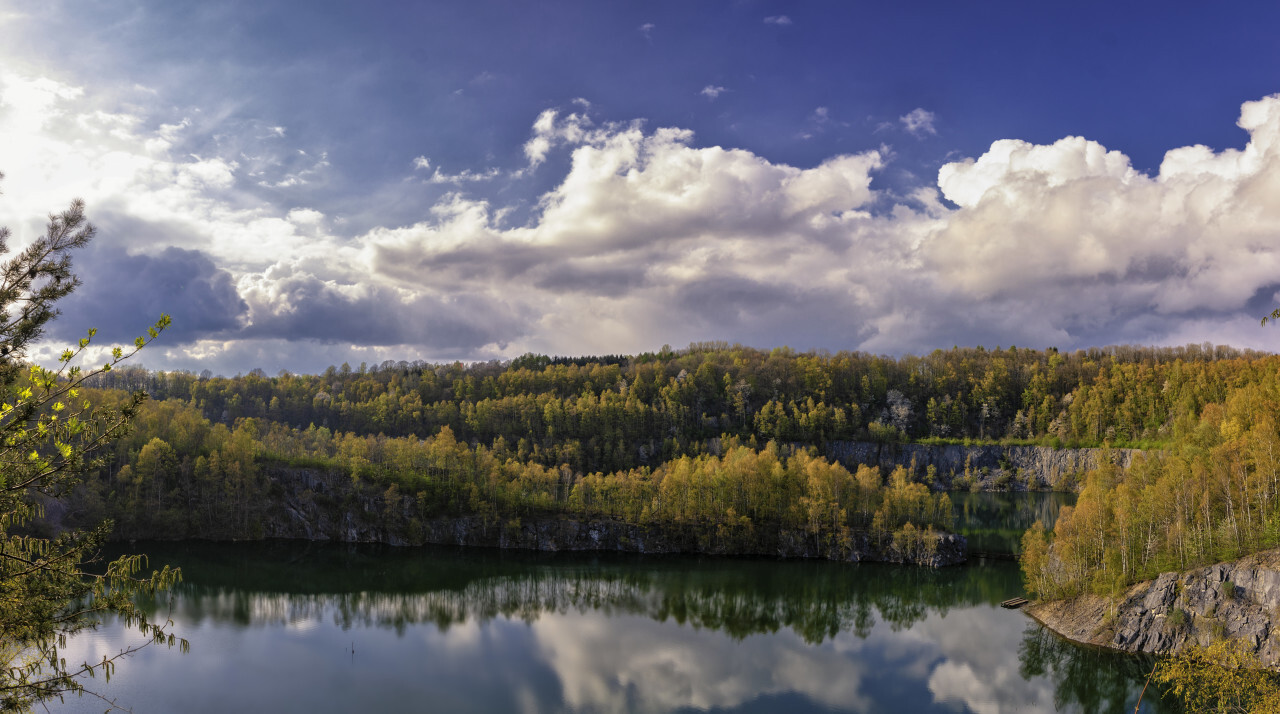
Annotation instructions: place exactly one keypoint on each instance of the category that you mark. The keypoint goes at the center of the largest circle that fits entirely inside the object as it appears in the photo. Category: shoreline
(1238, 600)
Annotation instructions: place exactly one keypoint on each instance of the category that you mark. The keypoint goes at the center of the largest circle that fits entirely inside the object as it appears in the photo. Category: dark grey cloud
(740, 309)
(612, 280)
(496, 261)
(124, 293)
(734, 299)
(303, 307)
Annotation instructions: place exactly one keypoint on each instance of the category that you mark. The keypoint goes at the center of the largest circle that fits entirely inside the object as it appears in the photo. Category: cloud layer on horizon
(645, 238)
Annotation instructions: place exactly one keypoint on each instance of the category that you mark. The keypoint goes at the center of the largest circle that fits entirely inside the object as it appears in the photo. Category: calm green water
(994, 522)
(292, 626)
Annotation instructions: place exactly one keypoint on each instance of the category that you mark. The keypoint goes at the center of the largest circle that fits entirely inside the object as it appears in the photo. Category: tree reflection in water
(995, 522)
(848, 637)
(1089, 679)
(258, 584)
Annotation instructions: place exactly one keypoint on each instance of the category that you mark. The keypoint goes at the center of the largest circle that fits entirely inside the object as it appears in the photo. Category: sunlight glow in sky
(305, 183)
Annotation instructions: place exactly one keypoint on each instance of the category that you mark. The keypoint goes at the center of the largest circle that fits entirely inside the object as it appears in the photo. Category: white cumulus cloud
(649, 237)
(1201, 234)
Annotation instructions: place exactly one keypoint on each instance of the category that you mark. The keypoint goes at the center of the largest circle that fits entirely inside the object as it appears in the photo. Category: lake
(994, 522)
(297, 626)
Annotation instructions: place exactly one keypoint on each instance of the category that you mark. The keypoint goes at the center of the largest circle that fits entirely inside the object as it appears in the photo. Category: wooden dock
(1014, 603)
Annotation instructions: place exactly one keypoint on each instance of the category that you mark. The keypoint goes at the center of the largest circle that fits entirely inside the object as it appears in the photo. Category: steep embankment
(317, 505)
(1238, 600)
(993, 466)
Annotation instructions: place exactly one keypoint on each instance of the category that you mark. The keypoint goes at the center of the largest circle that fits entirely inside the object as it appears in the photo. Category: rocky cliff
(1237, 600)
(315, 505)
(992, 467)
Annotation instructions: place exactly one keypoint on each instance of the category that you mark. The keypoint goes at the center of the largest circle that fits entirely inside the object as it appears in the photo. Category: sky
(305, 183)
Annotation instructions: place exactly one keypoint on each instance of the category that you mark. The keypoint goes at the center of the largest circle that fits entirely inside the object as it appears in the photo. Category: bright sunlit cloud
(580, 230)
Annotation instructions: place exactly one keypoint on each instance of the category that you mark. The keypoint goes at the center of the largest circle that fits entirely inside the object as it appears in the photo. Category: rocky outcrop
(315, 505)
(991, 466)
(1237, 600)
(573, 534)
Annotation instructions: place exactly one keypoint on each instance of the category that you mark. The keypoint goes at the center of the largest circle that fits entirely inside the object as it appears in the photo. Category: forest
(180, 476)
(609, 413)
(1211, 494)
(719, 437)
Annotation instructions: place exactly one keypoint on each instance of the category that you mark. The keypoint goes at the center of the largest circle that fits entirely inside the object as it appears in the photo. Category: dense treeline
(1212, 495)
(617, 413)
(180, 475)
(724, 438)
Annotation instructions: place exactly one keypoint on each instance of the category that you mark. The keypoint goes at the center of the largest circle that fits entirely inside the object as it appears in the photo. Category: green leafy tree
(1225, 676)
(50, 434)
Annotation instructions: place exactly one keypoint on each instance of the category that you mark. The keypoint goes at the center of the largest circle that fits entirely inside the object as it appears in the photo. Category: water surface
(994, 522)
(295, 626)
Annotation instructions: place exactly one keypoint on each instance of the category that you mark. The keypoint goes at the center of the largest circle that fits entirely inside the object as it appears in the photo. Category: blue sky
(305, 183)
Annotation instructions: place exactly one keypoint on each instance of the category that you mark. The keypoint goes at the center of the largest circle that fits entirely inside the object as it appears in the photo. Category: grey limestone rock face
(1236, 600)
(317, 506)
(1028, 467)
(570, 534)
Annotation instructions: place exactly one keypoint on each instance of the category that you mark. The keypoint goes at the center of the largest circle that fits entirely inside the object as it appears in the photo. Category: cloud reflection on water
(597, 636)
(636, 664)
